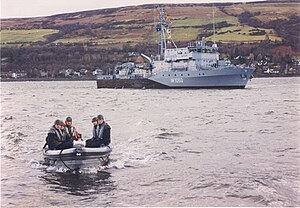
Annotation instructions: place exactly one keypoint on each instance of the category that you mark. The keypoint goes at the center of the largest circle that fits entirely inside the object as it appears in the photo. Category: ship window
(169, 74)
(181, 74)
(163, 75)
(188, 74)
(199, 74)
(175, 75)
(203, 74)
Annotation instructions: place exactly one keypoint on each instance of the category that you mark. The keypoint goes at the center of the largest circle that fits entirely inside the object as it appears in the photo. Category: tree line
(76, 57)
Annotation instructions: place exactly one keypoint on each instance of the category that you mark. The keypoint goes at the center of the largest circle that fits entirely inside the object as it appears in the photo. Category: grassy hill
(101, 38)
(136, 24)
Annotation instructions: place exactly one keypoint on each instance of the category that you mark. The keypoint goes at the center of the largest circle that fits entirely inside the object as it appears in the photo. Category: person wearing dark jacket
(101, 133)
(55, 140)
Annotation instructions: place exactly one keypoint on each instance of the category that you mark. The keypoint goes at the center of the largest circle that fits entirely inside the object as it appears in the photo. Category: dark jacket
(100, 137)
(55, 140)
(70, 132)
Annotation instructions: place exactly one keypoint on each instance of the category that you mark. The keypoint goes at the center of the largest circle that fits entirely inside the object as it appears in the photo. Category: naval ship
(195, 66)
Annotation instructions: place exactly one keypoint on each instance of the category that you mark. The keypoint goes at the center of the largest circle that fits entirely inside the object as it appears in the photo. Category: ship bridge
(205, 56)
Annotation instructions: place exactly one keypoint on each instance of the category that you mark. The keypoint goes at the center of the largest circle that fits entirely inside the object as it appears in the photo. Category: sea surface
(174, 147)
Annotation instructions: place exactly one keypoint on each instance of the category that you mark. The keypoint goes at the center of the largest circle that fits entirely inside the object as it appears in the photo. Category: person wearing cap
(70, 132)
(55, 139)
(101, 133)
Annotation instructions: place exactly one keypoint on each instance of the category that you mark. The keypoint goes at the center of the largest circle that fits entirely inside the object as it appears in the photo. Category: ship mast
(214, 27)
(162, 26)
(163, 41)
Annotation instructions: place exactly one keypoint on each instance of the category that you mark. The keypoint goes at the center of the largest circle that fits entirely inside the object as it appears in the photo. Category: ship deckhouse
(177, 54)
(206, 57)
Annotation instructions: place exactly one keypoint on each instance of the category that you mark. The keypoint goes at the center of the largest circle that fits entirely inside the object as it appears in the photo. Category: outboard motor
(78, 148)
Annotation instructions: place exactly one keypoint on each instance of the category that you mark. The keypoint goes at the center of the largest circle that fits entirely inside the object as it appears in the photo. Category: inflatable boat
(77, 157)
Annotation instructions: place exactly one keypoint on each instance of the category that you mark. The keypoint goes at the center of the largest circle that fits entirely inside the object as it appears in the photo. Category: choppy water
(170, 147)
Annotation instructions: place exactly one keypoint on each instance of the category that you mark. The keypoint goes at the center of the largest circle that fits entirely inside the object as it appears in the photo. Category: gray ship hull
(129, 83)
(227, 77)
(218, 78)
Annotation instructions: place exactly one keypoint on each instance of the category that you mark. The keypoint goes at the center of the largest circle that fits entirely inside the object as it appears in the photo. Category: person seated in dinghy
(101, 133)
(70, 131)
(55, 139)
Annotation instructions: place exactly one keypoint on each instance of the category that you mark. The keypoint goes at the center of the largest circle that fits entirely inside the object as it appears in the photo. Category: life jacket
(58, 133)
(98, 131)
(71, 132)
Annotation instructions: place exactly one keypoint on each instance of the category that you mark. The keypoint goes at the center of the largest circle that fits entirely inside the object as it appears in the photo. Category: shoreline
(47, 79)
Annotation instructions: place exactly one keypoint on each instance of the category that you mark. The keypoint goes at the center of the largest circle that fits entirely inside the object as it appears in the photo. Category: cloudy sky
(34, 8)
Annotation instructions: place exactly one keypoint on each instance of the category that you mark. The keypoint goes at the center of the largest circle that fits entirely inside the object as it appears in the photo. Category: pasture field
(268, 12)
(241, 33)
(25, 36)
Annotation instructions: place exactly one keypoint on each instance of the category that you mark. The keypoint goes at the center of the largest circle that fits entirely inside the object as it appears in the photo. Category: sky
(35, 8)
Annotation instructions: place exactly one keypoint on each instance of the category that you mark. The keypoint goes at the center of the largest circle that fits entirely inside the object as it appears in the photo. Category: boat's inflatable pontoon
(78, 156)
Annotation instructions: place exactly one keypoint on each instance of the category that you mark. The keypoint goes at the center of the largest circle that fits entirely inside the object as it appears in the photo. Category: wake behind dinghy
(78, 157)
